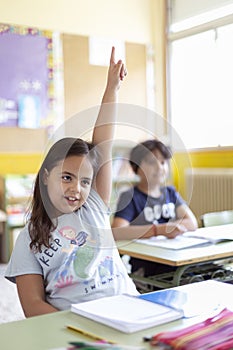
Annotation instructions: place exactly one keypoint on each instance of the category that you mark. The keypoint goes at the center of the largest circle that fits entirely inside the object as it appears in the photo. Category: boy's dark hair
(139, 152)
(41, 208)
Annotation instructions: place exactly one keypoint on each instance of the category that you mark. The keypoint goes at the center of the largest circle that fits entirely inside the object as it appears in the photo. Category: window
(201, 85)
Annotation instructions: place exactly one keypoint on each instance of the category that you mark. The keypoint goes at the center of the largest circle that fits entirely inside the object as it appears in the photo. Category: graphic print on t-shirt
(79, 255)
(158, 211)
(79, 262)
(70, 233)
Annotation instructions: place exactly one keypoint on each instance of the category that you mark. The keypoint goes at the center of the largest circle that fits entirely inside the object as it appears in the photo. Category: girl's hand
(116, 72)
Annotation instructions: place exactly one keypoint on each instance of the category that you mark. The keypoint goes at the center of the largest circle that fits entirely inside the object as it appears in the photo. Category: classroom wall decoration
(28, 68)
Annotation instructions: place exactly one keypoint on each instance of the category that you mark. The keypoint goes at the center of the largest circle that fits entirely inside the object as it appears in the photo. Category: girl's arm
(31, 294)
(103, 133)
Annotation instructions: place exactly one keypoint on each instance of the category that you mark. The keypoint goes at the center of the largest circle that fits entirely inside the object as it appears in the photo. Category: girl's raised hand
(117, 71)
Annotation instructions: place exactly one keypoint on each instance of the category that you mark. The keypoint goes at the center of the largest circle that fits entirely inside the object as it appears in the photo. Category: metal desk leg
(178, 274)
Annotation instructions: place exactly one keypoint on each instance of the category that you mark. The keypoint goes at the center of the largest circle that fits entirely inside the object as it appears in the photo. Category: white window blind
(181, 12)
(201, 85)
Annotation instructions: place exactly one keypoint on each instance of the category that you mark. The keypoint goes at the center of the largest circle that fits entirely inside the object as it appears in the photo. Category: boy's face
(154, 168)
(69, 184)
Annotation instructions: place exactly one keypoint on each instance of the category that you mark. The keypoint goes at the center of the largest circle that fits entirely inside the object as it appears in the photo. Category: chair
(223, 268)
(217, 218)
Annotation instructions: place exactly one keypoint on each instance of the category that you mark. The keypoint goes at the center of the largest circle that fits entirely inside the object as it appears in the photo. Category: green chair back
(217, 218)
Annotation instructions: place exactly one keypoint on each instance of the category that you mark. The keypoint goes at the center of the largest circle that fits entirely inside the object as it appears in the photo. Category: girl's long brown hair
(41, 223)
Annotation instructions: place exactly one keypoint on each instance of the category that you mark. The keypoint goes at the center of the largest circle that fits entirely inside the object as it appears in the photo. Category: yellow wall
(21, 150)
(211, 158)
(20, 163)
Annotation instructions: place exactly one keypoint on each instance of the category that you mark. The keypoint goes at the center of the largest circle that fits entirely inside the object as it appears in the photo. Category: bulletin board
(27, 77)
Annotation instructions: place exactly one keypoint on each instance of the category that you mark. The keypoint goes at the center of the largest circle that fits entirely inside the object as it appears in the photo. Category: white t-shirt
(82, 262)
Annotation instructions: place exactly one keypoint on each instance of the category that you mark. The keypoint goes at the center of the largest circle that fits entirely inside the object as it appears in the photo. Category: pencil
(89, 334)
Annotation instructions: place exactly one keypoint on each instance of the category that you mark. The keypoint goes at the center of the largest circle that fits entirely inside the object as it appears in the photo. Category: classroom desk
(49, 331)
(183, 259)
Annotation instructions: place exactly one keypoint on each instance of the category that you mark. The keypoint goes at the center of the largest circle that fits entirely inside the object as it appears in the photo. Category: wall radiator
(209, 189)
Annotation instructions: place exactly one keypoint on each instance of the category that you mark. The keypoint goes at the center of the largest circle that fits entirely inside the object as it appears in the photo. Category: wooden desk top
(176, 257)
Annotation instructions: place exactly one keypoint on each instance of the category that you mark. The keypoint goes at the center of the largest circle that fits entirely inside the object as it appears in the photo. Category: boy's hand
(170, 229)
(174, 229)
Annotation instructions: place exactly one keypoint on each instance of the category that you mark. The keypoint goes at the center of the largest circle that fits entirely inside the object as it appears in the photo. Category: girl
(66, 253)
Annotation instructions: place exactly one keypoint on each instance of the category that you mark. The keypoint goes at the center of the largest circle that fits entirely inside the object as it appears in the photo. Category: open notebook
(126, 313)
(134, 313)
(201, 237)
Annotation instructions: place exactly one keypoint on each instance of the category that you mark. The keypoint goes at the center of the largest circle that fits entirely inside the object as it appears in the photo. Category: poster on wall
(27, 94)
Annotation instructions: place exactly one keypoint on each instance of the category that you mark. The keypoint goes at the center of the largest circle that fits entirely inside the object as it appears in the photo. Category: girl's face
(69, 184)
(154, 168)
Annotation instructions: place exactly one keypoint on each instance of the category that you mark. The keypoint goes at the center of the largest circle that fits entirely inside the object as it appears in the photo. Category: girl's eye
(66, 178)
(86, 182)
